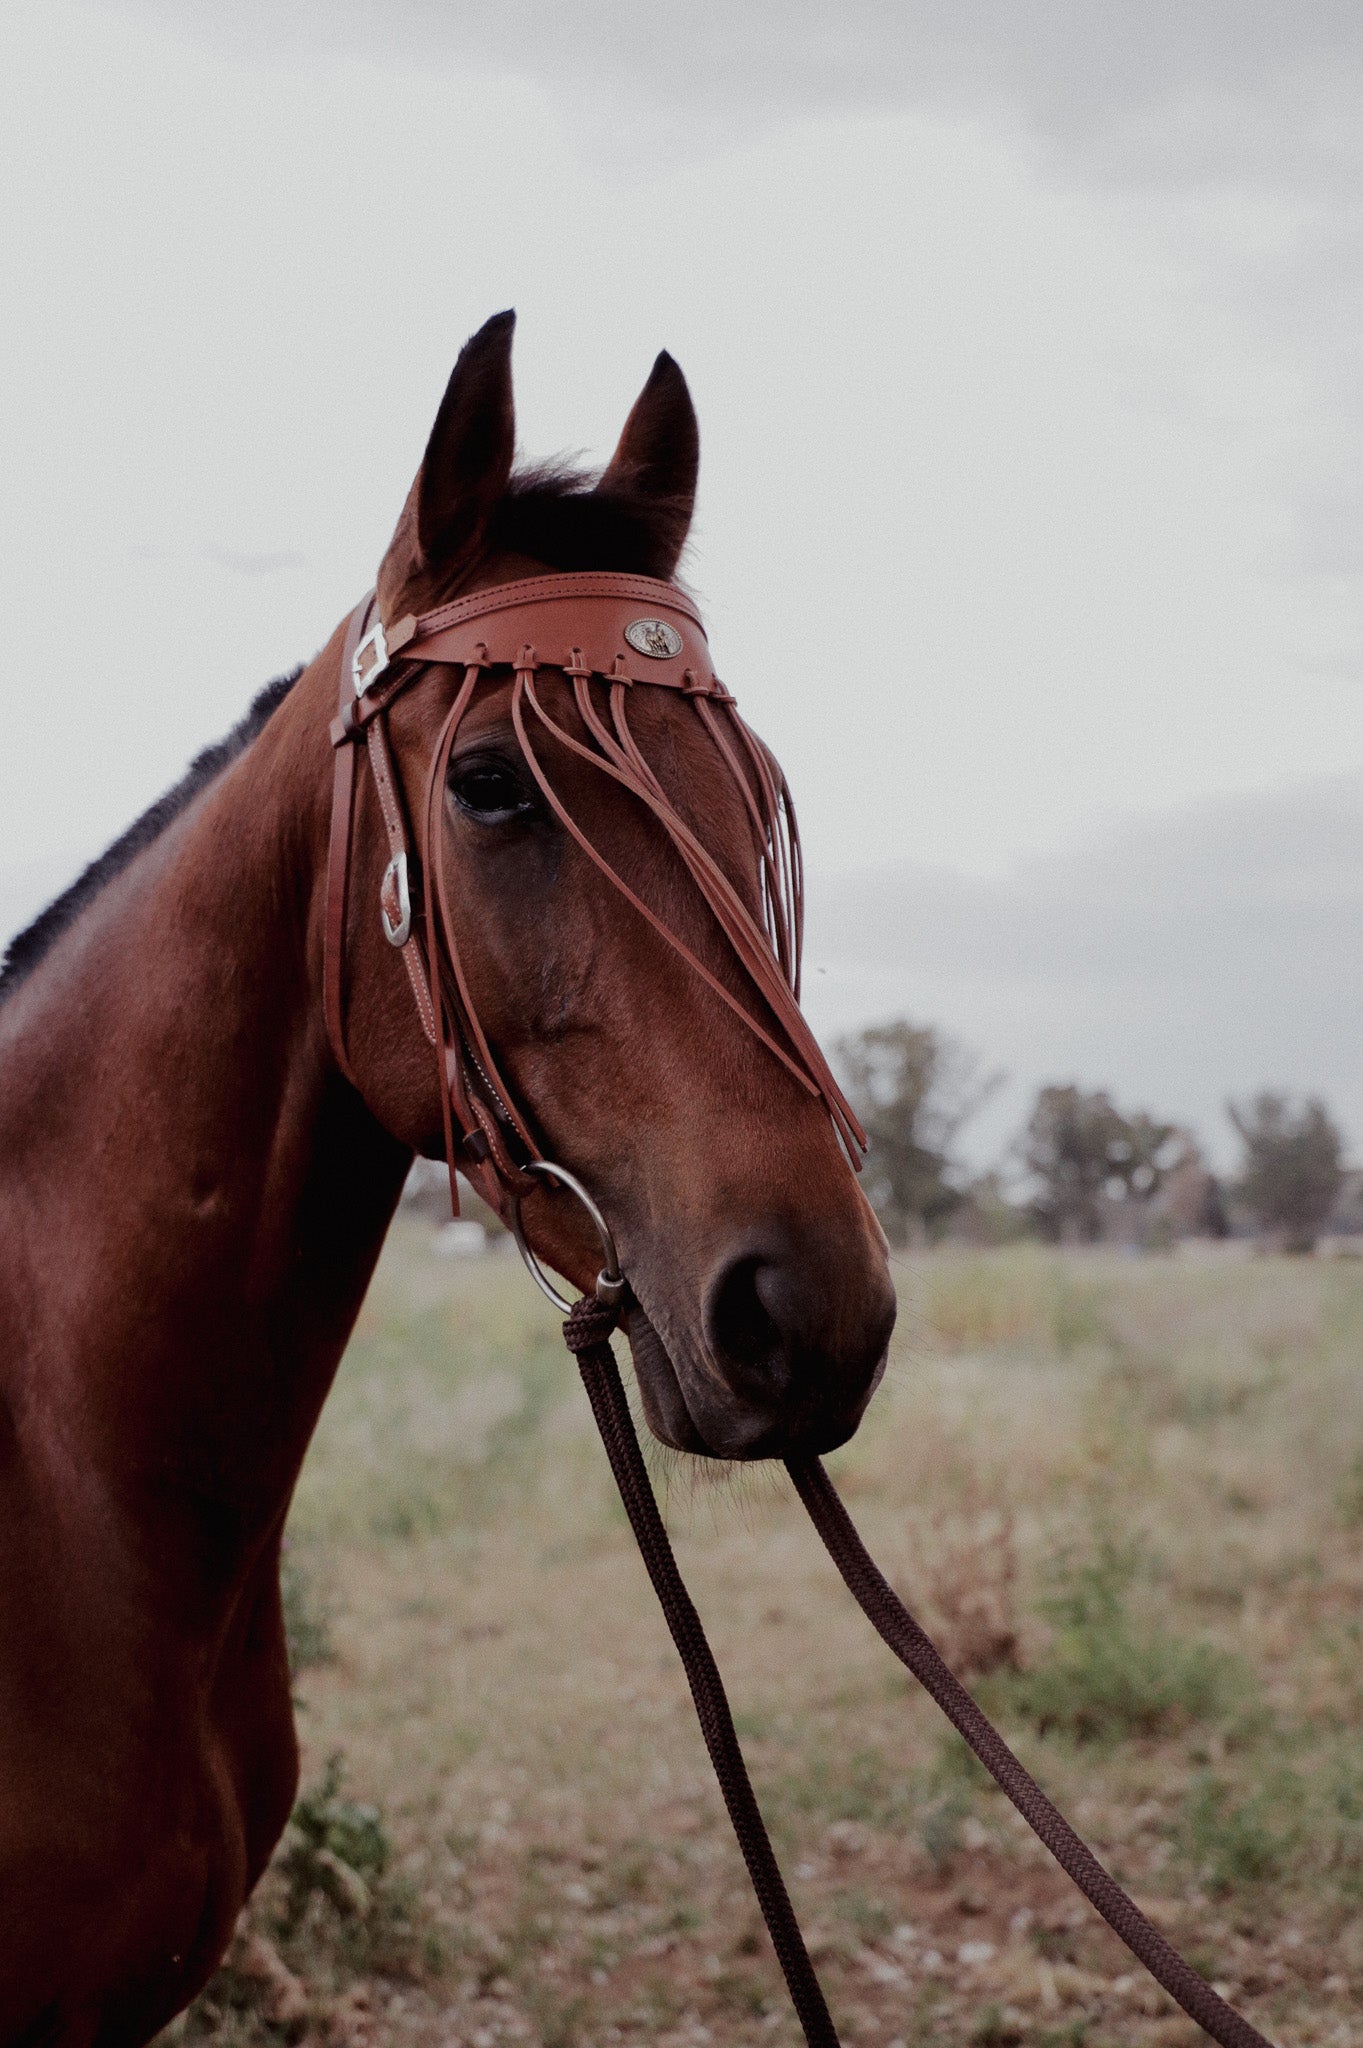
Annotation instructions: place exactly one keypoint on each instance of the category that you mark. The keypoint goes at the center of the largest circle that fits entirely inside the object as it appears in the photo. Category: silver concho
(654, 637)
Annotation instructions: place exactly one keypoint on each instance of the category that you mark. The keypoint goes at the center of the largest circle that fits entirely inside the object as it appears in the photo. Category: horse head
(622, 1022)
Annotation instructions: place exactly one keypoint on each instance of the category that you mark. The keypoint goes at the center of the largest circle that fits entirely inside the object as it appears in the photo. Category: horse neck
(193, 1199)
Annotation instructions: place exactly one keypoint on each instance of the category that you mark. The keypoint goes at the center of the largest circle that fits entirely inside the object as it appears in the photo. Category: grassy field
(1126, 1494)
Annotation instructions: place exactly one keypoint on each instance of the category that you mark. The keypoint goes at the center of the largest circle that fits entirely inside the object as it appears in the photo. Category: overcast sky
(1025, 341)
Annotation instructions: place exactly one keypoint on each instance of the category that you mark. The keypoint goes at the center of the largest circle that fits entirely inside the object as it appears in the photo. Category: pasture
(1127, 1495)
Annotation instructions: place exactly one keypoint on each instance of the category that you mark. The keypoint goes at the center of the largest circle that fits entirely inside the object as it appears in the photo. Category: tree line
(1081, 1169)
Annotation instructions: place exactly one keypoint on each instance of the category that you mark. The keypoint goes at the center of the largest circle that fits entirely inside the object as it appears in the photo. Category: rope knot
(590, 1323)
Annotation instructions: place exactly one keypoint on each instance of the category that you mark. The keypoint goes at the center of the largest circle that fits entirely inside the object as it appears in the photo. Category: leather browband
(573, 622)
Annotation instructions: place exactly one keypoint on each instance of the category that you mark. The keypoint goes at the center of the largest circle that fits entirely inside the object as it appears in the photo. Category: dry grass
(1126, 1491)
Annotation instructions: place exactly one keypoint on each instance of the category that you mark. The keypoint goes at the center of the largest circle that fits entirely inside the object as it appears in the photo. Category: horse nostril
(744, 1327)
(797, 1329)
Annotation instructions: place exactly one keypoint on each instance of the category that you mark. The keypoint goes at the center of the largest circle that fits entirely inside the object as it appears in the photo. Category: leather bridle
(607, 635)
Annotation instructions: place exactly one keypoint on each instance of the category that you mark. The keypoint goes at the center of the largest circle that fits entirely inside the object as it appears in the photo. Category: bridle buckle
(375, 645)
(397, 930)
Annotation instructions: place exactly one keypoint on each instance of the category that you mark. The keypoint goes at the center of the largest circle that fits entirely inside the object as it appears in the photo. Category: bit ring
(610, 1281)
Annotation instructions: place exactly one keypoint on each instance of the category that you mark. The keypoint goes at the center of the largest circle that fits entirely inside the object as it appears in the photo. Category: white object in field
(461, 1238)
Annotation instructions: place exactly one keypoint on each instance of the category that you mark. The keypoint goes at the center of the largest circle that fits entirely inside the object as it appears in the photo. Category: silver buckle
(374, 640)
(399, 933)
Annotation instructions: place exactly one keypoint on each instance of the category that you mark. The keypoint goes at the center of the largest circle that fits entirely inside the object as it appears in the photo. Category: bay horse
(196, 1181)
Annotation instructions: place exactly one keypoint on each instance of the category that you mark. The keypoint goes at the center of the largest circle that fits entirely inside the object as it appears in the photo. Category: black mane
(553, 512)
(37, 939)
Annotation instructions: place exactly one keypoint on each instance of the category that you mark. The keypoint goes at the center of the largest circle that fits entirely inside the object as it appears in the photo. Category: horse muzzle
(784, 1361)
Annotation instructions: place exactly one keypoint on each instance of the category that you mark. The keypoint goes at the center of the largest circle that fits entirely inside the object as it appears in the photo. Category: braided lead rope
(587, 1335)
(897, 1627)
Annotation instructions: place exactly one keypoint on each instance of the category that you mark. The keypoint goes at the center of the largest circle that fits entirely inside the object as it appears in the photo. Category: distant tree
(1084, 1154)
(989, 1213)
(1191, 1202)
(1291, 1173)
(914, 1089)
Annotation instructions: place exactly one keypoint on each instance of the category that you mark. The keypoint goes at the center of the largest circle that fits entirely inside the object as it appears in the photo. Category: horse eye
(491, 790)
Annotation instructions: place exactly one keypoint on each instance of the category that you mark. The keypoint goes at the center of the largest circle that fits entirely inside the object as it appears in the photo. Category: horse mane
(36, 941)
(553, 512)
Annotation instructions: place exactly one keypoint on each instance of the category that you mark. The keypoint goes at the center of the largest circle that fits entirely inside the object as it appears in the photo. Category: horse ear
(465, 469)
(658, 456)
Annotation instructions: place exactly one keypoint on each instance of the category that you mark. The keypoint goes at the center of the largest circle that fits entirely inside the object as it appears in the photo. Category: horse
(196, 1177)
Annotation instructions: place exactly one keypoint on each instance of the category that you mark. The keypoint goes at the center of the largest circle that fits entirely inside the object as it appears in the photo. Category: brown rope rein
(587, 1334)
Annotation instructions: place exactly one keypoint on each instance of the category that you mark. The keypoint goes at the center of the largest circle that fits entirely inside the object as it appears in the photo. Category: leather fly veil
(607, 634)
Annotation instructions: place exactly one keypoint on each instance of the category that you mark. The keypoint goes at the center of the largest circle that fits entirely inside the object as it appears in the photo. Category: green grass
(1349, 1494)
(1173, 1445)
(1234, 1842)
(330, 1913)
(307, 1619)
(1106, 1677)
(1022, 1297)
